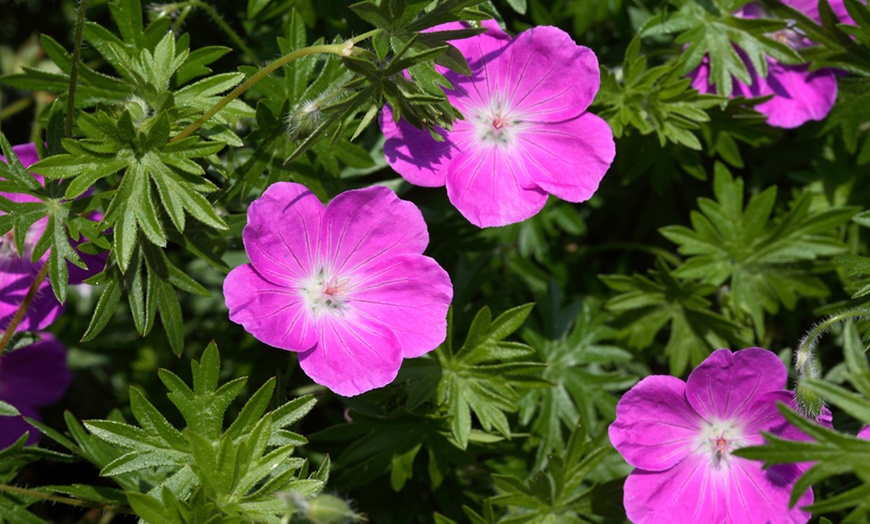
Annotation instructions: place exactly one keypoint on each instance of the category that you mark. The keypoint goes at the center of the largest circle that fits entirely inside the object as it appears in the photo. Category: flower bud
(329, 509)
(809, 402)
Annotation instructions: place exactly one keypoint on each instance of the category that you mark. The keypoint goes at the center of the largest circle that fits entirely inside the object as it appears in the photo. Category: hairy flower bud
(306, 115)
(329, 509)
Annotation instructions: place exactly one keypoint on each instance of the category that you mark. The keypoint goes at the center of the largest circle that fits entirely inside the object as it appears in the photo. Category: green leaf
(647, 304)
(255, 6)
(714, 34)
(832, 453)
(483, 376)
(766, 259)
(8, 410)
(560, 493)
(656, 100)
(235, 472)
(587, 375)
(380, 441)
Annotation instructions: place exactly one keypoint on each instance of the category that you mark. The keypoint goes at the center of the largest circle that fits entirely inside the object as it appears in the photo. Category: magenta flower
(799, 95)
(864, 433)
(679, 436)
(526, 132)
(346, 286)
(17, 270)
(31, 377)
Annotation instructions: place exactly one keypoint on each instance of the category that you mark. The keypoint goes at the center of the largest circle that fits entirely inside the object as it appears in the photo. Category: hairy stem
(343, 48)
(807, 367)
(65, 500)
(804, 353)
(179, 21)
(74, 72)
(22, 309)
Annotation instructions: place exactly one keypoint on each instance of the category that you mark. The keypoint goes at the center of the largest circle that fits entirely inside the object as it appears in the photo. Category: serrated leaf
(474, 379)
(760, 255)
(242, 466)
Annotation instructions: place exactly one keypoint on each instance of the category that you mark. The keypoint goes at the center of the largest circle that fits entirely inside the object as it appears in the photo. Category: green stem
(365, 36)
(181, 18)
(74, 72)
(804, 354)
(212, 12)
(807, 367)
(22, 309)
(343, 48)
(65, 500)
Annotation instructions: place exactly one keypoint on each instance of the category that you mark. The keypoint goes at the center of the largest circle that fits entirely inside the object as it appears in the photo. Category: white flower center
(717, 439)
(325, 293)
(496, 124)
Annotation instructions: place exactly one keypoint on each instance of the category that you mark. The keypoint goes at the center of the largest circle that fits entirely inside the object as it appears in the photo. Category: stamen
(325, 294)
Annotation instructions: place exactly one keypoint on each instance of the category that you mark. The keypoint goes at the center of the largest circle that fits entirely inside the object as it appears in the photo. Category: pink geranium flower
(799, 95)
(526, 132)
(864, 433)
(680, 436)
(346, 286)
(31, 377)
(18, 270)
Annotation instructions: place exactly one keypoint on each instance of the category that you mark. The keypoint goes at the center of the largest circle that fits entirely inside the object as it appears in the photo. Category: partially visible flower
(864, 433)
(17, 270)
(346, 286)
(31, 377)
(799, 95)
(680, 436)
(526, 132)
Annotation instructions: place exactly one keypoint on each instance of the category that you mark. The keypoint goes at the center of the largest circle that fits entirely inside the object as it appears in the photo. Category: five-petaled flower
(18, 270)
(680, 437)
(346, 286)
(526, 131)
(31, 377)
(799, 95)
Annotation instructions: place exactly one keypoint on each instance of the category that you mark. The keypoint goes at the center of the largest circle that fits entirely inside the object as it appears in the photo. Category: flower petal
(568, 159)
(28, 156)
(276, 315)
(16, 276)
(864, 433)
(35, 375)
(352, 355)
(762, 414)
(413, 153)
(11, 428)
(282, 232)
(683, 494)
(491, 188)
(752, 494)
(409, 294)
(655, 426)
(811, 9)
(799, 95)
(545, 75)
(362, 226)
(725, 384)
